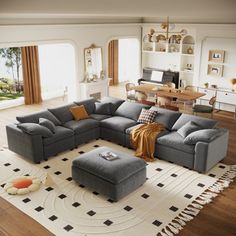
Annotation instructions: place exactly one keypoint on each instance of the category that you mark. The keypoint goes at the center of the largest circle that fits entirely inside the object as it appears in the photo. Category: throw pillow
(204, 135)
(35, 129)
(147, 116)
(103, 108)
(79, 112)
(188, 128)
(48, 124)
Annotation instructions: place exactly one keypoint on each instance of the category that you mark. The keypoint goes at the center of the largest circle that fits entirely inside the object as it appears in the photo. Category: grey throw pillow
(48, 124)
(35, 129)
(103, 108)
(188, 128)
(204, 135)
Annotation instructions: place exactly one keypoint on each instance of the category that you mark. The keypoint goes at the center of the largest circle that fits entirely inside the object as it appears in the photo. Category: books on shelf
(108, 155)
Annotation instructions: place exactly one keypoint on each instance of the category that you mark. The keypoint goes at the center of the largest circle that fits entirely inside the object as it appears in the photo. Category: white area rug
(171, 196)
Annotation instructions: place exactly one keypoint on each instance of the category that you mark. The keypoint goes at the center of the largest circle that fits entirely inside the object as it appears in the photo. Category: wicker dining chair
(130, 92)
(198, 108)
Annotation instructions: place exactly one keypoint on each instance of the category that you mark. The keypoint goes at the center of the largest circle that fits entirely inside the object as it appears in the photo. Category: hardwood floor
(217, 218)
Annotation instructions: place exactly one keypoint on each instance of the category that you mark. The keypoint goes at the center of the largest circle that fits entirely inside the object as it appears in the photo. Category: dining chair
(198, 108)
(130, 92)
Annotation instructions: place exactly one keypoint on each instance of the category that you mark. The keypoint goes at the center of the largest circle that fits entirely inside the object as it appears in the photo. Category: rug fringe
(194, 208)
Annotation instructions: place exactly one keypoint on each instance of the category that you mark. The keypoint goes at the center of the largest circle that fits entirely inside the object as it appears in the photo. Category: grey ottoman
(115, 179)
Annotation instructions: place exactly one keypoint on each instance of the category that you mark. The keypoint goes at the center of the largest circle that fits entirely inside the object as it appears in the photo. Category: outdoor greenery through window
(11, 82)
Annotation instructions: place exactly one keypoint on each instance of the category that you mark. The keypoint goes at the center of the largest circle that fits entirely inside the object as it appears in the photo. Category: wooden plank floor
(215, 219)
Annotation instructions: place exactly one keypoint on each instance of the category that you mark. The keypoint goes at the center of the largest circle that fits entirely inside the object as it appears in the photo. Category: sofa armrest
(29, 146)
(209, 154)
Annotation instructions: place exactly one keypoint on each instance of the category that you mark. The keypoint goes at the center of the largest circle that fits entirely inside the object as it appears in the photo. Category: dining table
(162, 91)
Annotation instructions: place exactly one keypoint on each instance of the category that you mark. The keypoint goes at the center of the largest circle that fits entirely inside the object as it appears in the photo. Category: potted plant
(206, 85)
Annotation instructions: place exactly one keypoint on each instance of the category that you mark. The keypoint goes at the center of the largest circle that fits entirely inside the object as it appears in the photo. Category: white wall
(129, 60)
(80, 36)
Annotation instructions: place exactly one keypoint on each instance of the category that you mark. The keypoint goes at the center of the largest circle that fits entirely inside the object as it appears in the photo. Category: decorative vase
(189, 50)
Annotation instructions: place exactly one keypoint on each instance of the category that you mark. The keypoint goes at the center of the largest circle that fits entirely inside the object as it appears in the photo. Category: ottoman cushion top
(114, 171)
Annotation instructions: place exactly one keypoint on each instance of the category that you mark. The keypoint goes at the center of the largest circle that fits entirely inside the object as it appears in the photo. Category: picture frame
(216, 56)
(215, 70)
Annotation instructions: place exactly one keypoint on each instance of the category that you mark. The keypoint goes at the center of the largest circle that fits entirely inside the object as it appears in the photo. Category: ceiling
(116, 11)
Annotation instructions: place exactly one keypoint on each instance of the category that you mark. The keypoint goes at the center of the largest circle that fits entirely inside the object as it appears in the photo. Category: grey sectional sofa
(113, 119)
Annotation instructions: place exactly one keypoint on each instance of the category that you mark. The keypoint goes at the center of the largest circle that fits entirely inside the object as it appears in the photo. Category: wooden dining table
(161, 91)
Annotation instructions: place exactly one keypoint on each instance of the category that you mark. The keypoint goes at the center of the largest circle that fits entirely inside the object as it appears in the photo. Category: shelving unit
(173, 54)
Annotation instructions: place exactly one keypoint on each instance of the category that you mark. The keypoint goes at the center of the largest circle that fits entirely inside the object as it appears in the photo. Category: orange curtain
(31, 75)
(113, 62)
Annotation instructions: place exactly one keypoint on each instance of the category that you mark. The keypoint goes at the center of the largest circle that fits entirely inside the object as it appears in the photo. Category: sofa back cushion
(34, 118)
(166, 117)
(89, 104)
(130, 110)
(103, 108)
(63, 113)
(115, 101)
(203, 122)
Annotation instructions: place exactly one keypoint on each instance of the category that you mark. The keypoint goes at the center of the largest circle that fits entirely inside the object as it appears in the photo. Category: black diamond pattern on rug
(39, 208)
(110, 200)
(81, 186)
(212, 175)
(16, 170)
(158, 169)
(160, 185)
(188, 196)
(7, 164)
(49, 189)
(76, 204)
(96, 145)
(46, 167)
(26, 174)
(174, 175)
(69, 179)
(128, 208)
(91, 213)
(201, 185)
(62, 196)
(174, 209)
(145, 196)
(68, 228)
(26, 200)
(64, 159)
(107, 222)
(157, 223)
(3, 185)
(57, 172)
(81, 152)
(52, 218)
(95, 193)
(221, 167)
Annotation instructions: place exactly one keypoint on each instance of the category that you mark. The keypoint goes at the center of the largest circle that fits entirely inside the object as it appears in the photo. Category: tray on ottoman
(115, 179)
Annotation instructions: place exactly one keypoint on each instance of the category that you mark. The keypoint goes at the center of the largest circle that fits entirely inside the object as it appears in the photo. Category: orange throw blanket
(143, 139)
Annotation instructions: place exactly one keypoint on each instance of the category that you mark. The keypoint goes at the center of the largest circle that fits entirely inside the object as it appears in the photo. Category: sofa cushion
(79, 112)
(48, 124)
(63, 112)
(82, 126)
(188, 128)
(103, 108)
(204, 135)
(176, 141)
(89, 104)
(34, 118)
(117, 123)
(99, 116)
(60, 133)
(203, 122)
(166, 117)
(115, 101)
(147, 116)
(35, 129)
(130, 110)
